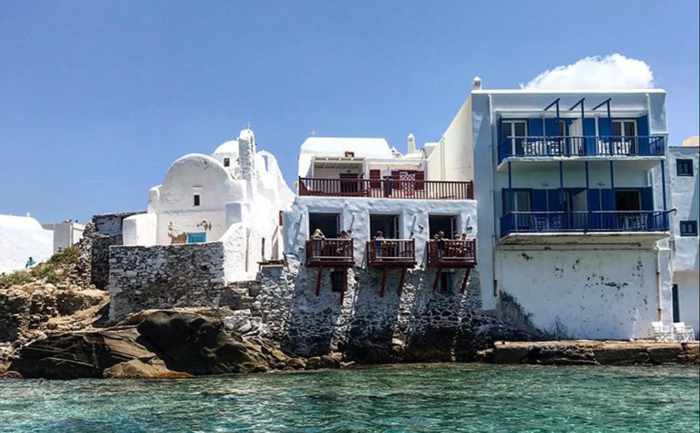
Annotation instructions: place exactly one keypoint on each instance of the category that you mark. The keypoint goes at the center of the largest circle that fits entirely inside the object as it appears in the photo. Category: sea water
(406, 398)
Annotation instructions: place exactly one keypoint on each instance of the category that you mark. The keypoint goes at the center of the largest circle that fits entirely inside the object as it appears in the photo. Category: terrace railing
(391, 252)
(387, 188)
(653, 145)
(584, 221)
(329, 252)
(451, 253)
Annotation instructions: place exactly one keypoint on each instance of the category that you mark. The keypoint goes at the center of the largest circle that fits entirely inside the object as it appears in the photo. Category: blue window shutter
(539, 200)
(505, 202)
(555, 201)
(196, 238)
(643, 132)
(647, 198)
(608, 199)
(594, 199)
(604, 127)
(589, 132)
(534, 128)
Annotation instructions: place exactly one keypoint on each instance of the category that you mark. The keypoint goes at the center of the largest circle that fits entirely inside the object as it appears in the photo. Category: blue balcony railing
(584, 221)
(652, 145)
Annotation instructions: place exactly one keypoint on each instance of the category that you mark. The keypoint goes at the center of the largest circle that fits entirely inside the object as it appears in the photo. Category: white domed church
(233, 196)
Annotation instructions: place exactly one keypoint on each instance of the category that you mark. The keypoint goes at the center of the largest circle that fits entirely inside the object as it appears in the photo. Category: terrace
(446, 254)
(415, 189)
(386, 254)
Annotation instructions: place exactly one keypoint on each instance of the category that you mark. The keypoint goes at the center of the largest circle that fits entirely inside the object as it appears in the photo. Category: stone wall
(417, 324)
(107, 232)
(189, 275)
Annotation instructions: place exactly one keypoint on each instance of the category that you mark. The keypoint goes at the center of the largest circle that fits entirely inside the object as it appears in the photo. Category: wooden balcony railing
(391, 253)
(329, 253)
(387, 188)
(451, 253)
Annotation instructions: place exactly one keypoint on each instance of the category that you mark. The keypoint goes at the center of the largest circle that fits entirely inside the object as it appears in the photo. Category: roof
(564, 91)
(337, 146)
(230, 146)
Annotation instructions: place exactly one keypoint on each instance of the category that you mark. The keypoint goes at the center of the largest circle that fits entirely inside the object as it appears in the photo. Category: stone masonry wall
(419, 324)
(107, 232)
(190, 275)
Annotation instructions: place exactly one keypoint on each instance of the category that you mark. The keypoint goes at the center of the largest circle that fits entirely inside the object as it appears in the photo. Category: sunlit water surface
(416, 398)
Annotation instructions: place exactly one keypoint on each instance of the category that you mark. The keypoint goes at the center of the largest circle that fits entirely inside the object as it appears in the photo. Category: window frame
(688, 161)
(688, 233)
(510, 135)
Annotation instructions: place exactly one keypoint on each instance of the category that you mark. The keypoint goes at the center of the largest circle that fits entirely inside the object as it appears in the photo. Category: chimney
(411, 143)
(476, 83)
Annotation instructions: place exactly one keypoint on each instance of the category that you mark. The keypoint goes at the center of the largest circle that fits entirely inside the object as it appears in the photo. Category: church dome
(230, 146)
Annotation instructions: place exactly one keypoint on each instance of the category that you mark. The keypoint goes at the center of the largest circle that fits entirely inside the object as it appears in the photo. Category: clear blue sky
(97, 98)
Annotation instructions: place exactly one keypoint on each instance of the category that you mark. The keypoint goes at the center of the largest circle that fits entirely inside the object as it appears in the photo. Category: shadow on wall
(510, 311)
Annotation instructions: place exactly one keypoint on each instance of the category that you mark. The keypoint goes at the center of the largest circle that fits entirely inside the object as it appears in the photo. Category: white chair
(683, 333)
(661, 332)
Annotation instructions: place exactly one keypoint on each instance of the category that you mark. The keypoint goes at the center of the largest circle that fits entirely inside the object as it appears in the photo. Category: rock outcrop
(580, 352)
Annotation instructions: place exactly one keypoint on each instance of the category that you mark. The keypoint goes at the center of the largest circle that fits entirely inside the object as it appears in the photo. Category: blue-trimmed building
(573, 206)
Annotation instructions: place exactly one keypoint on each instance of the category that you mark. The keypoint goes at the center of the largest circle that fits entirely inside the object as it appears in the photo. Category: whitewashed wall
(587, 293)
(354, 216)
(140, 229)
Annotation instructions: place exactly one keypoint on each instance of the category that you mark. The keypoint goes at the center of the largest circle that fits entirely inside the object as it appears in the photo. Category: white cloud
(610, 72)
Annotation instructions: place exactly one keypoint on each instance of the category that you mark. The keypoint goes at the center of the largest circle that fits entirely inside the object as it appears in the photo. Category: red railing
(451, 254)
(388, 252)
(329, 252)
(387, 188)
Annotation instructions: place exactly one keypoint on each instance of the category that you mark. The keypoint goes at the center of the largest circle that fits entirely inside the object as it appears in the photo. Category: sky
(98, 98)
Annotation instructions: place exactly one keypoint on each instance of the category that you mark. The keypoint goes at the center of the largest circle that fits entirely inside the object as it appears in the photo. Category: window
(624, 128)
(514, 132)
(689, 228)
(628, 200)
(328, 223)
(227, 162)
(387, 224)
(684, 167)
(196, 199)
(447, 224)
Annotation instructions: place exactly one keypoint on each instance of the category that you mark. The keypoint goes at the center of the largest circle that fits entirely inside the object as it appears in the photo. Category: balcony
(391, 253)
(329, 253)
(584, 221)
(451, 253)
(585, 146)
(387, 188)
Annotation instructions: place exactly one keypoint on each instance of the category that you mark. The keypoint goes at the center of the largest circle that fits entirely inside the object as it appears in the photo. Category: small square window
(227, 162)
(684, 167)
(196, 199)
(689, 228)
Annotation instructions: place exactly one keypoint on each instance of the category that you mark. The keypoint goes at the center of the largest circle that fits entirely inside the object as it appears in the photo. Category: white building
(683, 173)
(351, 189)
(22, 237)
(234, 196)
(572, 205)
(65, 234)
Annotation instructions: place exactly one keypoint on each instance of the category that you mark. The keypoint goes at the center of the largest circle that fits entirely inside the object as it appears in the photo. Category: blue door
(196, 238)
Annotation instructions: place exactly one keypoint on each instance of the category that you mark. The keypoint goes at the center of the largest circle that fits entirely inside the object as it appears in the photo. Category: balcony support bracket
(465, 280)
(403, 275)
(318, 280)
(383, 284)
(437, 278)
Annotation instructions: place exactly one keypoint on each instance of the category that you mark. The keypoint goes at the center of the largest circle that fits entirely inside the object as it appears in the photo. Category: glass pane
(519, 129)
(629, 129)
(562, 128)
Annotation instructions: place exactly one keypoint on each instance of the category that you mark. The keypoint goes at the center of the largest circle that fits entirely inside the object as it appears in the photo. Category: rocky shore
(54, 325)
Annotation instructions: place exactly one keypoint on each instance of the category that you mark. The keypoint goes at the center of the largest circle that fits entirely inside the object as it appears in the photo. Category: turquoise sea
(406, 398)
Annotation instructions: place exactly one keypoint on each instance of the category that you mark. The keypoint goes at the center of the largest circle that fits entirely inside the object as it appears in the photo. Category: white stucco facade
(22, 237)
(65, 233)
(571, 283)
(234, 196)
(686, 261)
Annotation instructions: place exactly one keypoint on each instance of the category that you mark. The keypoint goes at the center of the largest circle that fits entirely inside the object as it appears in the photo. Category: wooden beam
(403, 275)
(318, 280)
(383, 285)
(465, 279)
(437, 277)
